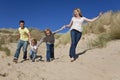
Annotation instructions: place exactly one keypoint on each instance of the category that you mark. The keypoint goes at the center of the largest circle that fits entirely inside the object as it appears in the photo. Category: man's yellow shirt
(23, 34)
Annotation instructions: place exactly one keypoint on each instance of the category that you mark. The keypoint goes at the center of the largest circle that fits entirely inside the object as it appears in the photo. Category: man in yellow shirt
(24, 36)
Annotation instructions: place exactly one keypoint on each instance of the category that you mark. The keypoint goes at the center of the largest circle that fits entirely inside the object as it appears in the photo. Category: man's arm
(29, 35)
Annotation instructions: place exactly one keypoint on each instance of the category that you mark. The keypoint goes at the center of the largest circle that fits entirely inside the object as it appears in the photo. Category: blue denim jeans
(75, 37)
(21, 44)
(50, 51)
(32, 55)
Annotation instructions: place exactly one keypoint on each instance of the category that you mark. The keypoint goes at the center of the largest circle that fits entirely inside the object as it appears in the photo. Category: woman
(76, 30)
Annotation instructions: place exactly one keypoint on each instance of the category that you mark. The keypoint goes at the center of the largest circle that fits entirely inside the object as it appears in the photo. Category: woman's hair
(79, 11)
(47, 30)
(34, 41)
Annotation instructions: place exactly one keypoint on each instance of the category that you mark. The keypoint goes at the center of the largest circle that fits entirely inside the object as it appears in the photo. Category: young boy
(33, 50)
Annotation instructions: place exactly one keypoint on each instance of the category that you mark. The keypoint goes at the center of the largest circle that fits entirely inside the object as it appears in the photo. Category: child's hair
(79, 11)
(34, 41)
(47, 30)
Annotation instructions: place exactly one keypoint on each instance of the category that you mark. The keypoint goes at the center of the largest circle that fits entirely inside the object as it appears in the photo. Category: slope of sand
(94, 64)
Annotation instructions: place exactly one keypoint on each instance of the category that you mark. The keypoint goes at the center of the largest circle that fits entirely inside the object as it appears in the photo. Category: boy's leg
(25, 45)
(31, 53)
(20, 44)
(34, 57)
(48, 52)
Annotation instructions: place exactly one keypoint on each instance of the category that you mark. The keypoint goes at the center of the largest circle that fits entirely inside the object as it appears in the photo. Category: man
(24, 36)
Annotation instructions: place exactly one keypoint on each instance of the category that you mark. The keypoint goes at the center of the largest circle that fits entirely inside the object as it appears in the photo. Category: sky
(52, 14)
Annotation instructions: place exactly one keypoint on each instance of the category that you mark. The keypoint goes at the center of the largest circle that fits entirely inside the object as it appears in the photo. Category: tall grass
(107, 28)
(35, 33)
(63, 39)
(100, 41)
(5, 49)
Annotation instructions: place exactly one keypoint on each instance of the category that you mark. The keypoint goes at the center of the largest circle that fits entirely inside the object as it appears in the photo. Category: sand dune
(94, 64)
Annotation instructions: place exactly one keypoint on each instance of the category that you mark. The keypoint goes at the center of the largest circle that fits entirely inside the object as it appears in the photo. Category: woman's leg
(78, 37)
(75, 37)
(73, 44)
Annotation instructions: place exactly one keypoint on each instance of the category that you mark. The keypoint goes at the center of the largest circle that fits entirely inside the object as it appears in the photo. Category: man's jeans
(21, 44)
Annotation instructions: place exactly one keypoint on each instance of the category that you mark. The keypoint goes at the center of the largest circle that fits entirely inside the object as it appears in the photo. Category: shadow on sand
(83, 52)
(38, 58)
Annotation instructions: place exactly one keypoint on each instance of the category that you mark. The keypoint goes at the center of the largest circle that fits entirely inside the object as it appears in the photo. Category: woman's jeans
(21, 44)
(75, 37)
(32, 55)
(50, 51)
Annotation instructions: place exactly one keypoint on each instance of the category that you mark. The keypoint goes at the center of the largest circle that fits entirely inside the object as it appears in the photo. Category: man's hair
(21, 21)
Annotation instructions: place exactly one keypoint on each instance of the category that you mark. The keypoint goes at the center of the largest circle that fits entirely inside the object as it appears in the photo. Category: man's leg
(25, 45)
(20, 44)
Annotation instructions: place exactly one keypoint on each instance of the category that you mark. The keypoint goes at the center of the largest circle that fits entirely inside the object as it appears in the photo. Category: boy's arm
(59, 30)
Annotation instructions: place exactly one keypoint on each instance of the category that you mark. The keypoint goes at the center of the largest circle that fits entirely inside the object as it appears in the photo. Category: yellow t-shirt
(23, 34)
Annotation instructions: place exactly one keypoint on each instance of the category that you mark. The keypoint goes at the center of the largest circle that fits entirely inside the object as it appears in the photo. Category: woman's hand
(100, 14)
(63, 27)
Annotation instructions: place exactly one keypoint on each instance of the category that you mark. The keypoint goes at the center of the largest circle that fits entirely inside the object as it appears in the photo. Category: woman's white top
(77, 23)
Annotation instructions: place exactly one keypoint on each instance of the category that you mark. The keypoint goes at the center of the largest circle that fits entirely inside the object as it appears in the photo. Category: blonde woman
(76, 29)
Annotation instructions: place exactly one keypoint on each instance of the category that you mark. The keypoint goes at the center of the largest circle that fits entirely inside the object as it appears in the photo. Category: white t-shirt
(33, 48)
(77, 24)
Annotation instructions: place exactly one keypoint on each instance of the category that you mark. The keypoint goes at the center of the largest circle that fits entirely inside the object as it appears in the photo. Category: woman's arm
(59, 30)
(94, 19)
(65, 26)
(69, 25)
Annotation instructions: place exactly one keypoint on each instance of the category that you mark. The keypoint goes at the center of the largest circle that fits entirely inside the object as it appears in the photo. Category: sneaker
(52, 59)
(48, 61)
(73, 59)
(33, 60)
(15, 60)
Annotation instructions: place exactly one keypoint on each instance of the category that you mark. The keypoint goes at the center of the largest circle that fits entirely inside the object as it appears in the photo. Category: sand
(93, 64)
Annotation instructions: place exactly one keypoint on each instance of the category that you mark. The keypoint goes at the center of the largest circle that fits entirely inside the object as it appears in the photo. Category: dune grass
(107, 28)
(35, 33)
(63, 39)
(5, 49)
